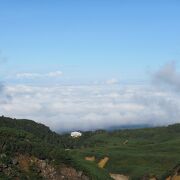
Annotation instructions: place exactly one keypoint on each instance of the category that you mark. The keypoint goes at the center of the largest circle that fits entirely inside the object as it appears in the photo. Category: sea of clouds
(96, 106)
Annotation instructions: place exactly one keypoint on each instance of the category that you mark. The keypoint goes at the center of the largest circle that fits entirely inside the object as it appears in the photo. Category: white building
(76, 134)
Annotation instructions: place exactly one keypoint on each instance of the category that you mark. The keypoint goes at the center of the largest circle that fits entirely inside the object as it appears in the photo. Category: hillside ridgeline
(29, 150)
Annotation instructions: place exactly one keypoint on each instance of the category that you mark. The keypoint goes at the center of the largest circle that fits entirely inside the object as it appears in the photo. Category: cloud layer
(168, 77)
(5, 98)
(86, 107)
(54, 74)
(92, 107)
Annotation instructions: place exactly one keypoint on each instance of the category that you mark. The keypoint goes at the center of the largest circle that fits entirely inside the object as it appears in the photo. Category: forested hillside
(30, 150)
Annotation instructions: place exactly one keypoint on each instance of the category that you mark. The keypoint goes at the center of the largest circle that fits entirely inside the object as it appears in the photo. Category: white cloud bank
(54, 74)
(168, 77)
(85, 107)
(112, 81)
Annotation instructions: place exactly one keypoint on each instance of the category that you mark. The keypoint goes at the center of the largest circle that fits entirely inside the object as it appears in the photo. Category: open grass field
(151, 151)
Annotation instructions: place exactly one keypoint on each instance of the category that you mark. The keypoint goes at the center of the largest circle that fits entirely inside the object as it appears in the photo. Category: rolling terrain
(151, 152)
(29, 150)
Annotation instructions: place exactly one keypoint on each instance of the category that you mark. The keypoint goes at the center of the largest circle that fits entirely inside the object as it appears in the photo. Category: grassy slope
(152, 151)
(148, 151)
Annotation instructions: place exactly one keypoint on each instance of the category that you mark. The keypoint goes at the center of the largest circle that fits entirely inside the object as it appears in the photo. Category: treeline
(39, 130)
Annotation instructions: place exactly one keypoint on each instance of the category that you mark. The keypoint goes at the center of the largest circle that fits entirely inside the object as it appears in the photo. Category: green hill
(25, 146)
(135, 153)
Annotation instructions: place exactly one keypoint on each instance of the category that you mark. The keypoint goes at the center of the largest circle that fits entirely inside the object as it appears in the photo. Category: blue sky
(89, 64)
(89, 40)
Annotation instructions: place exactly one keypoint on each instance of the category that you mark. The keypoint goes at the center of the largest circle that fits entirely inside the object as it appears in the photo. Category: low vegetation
(138, 153)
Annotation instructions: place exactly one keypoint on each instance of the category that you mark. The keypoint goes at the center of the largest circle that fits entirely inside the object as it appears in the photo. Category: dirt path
(119, 177)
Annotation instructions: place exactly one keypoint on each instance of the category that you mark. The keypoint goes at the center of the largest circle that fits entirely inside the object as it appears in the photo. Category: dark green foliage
(60, 156)
(136, 153)
(33, 139)
(39, 130)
